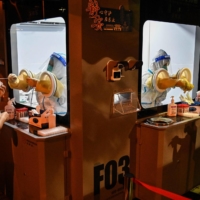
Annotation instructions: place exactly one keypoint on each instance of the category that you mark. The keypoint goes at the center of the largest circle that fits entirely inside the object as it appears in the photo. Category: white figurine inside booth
(49, 84)
(157, 81)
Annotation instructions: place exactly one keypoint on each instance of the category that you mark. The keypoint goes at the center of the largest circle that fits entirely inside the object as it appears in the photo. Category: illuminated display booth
(36, 58)
(166, 153)
(103, 49)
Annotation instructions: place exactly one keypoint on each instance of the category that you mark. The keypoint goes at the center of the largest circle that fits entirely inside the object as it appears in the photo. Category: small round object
(184, 73)
(29, 74)
(159, 74)
(191, 109)
(51, 77)
(160, 121)
(35, 120)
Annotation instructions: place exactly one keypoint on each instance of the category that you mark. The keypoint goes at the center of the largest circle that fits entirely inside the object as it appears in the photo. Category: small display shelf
(125, 103)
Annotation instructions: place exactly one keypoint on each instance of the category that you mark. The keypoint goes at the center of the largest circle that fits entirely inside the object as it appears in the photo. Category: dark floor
(3, 197)
(194, 193)
(192, 196)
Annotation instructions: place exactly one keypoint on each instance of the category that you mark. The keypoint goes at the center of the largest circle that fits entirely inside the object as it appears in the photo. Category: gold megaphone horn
(20, 82)
(48, 84)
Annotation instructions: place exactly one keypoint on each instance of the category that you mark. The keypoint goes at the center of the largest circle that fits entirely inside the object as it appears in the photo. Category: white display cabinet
(40, 164)
(168, 156)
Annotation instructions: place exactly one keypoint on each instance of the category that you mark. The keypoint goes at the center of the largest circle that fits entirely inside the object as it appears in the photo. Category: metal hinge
(67, 154)
(139, 136)
(68, 197)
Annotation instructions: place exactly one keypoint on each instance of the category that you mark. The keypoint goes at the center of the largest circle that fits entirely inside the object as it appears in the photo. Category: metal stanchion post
(128, 186)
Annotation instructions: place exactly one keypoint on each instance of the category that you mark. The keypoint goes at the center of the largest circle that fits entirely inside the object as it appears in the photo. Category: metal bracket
(67, 154)
(119, 65)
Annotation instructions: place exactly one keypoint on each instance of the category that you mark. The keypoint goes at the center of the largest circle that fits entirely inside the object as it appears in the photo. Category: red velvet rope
(160, 191)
